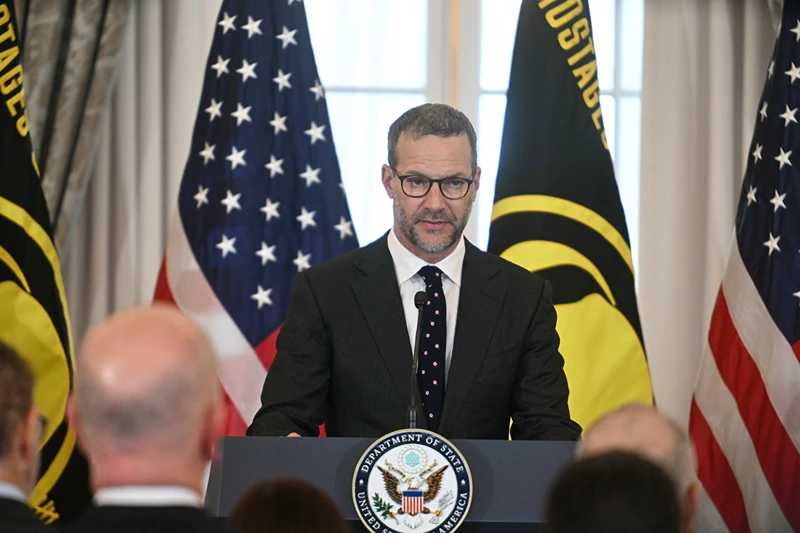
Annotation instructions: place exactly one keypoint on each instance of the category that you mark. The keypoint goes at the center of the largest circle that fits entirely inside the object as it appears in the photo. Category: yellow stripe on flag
(603, 359)
(53, 360)
(50, 478)
(36, 232)
(539, 255)
(35, 337)
(9, 261)
(565, 208)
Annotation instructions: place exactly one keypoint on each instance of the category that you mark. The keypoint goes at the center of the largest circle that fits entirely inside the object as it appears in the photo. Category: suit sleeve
(539, 400)
(296, 388)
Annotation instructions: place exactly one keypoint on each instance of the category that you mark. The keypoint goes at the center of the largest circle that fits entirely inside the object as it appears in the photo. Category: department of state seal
(412, 481)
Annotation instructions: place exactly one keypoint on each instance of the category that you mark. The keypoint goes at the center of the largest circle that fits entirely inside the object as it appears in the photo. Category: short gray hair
(433, 119)
(162, 409)
(16, 394)
(627, 422)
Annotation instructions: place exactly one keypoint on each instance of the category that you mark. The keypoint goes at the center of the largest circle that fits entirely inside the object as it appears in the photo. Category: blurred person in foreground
(147, 409)
(613, 492)
(642, 429)
(20, 433)
(287, 506)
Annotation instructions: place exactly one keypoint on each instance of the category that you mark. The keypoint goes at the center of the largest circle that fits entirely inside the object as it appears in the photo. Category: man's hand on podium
(293, 434)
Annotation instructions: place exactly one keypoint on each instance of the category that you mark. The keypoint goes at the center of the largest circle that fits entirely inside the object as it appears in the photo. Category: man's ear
(215, 428)
(74, 420)
(477, 183)
(690, 502)
(29, 434)
(386, 179)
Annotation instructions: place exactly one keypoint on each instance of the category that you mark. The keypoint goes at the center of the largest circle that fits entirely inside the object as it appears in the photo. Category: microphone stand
(420, 300)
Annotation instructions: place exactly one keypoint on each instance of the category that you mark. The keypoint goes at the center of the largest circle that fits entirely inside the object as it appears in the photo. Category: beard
(450, 235)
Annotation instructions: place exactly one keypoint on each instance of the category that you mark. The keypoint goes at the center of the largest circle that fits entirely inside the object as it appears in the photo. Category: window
(378, 58)
(374, 58)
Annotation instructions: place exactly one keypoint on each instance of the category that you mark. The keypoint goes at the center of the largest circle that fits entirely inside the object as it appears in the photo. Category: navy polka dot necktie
(432, 344)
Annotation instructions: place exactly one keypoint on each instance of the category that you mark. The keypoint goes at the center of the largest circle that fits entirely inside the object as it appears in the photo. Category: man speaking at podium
(488, 348)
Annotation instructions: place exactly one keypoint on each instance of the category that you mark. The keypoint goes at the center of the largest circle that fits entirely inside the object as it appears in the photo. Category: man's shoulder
(364, 258)
(18, 517)
(511, 275)
(374, 255)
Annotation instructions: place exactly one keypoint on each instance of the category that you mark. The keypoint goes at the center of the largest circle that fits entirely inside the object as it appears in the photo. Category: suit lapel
(378, 295)
(479, 302)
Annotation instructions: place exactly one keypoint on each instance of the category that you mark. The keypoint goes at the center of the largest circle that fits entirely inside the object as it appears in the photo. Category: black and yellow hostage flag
(33, 308)
(557, 208)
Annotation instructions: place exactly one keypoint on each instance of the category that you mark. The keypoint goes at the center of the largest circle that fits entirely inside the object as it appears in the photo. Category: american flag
(261, 197)
(745, 414)
(412, 501)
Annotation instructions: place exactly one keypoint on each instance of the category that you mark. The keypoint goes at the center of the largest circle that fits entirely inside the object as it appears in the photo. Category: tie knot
(432, 275)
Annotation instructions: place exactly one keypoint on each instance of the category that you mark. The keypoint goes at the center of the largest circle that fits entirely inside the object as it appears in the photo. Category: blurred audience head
(20, 422)
(288, 506)
(613, 492)
(147, 404)
(642, 429)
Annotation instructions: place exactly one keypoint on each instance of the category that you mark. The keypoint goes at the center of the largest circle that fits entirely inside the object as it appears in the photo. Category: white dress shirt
(406, 267)
(9, 491)
(148, 496)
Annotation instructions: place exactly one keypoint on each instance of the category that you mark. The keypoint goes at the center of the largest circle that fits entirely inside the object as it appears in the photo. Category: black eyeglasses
(417, 186)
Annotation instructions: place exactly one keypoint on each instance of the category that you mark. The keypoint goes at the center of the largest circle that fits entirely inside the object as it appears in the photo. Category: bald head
(642, 429)
(146, 379)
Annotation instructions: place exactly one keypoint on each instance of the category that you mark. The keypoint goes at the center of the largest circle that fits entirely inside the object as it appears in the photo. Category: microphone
(420, 300)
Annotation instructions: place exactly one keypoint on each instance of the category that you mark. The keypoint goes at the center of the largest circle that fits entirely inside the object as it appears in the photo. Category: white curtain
(705, 62)
(116, 248)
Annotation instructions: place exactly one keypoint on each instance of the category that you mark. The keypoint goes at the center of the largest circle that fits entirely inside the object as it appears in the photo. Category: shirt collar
(148, 496)
(10, 491)
(406, 264)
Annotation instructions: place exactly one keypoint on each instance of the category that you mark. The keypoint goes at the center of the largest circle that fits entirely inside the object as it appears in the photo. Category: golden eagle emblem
(414, 483)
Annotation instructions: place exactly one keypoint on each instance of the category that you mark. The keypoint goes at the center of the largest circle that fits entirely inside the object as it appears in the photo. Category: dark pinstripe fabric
(344, 355)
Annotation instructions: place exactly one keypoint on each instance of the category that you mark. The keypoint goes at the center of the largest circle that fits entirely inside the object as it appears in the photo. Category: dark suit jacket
(344, 356)
(17, 517)
(112, 519)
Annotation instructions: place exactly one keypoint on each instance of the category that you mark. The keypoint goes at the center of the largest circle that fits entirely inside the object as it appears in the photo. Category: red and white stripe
(745, 414)
(242, 368)
(412, 504)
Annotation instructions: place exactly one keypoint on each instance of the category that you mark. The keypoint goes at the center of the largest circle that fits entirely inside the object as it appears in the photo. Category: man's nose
(434, 200)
